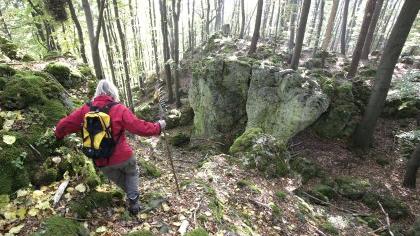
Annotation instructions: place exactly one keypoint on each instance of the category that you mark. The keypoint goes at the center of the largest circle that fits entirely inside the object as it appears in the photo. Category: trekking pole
(162, 110)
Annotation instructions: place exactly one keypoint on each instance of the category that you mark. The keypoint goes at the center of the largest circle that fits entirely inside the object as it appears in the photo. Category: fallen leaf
(16, 229)
(101, 229)
(22, 193)
(10, 215)
(9, 139)
(33, 212)
(80, 188)
(56, 160)
(37, 194)
(21, 213)
(165, 207)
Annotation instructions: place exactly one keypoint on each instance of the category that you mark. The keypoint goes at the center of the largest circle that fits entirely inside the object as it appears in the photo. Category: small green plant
(198, 232)
(276, 211)
(243, 183)
(281, 195)
(329, 228)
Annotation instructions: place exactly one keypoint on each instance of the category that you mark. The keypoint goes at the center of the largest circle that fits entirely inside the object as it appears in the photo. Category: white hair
(106, 87)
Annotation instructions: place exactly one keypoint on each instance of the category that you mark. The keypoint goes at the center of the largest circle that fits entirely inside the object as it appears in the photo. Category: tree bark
(277, 23)
(330, 25)
(166, 52)
(265, 17)
(256, 34)
(370, 7)
(293, 14)
(319, 27)
(5, 28)
(152, 18)
(344, 27)
(372, 27)
(124, 56)
(208, 19)
(79, 31)
(413, 165)
(95, 53)
(176, 8)
(241, 34)
(218, 22)
(109, 52)
(352, 23)
(363, 135)
(300, 34)
(313, 22)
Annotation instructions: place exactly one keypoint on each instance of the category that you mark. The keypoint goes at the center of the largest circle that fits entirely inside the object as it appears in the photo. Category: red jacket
(121, 119)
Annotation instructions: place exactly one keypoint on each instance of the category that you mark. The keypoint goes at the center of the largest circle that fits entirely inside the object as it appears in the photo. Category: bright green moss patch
(57, 225)
(281, 195)
(351, 187)
(197, 232)
(148, 169)
(243, 183)
(63, 74)
(244, 142)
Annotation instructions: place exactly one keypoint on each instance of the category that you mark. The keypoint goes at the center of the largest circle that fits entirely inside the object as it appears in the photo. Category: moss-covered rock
(53, 110)
(8, 48)
(306, 168)
(63, 74)
(58, 225)
(407, 142)
(147, 111)
(91, 201)
(179, 139)
(149, 169)
(44, 176)
(27, 58)
(327, 191)
(395, 208)
(351, 187)
(313, 63)
(244, 142)
(6, 70)
(340, 118)
(187, 115)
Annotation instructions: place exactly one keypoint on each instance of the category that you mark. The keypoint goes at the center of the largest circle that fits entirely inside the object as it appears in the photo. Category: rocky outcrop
(283, 103)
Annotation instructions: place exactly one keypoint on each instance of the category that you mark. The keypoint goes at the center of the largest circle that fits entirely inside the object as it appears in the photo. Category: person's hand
(162, 124)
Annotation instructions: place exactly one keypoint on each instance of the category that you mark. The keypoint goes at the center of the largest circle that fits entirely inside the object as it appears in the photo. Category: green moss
(140, 233)
(329, 228)
(244, 142)
(281, 195)
(148, 169)
(3, 81)
(63, 74)
(50, 55)
(197, 232)
(243, 183)
(187, 116)
(53, 110)
(217, 208)
(91, 201)
(394, 207)
(179, 139)
(415, 229)
(85, 70)
(21, 92)
(57, 225)
(367, 72)
(44, 176)
(351, 187)
(27, 58)
(276, 211)
(147, 111)
(371, 220)
(306, 168)
(6, 70)
(325, 191)
(8, 48)
(50, 86)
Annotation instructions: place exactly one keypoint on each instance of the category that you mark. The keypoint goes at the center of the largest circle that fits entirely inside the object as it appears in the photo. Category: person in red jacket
(121, 168)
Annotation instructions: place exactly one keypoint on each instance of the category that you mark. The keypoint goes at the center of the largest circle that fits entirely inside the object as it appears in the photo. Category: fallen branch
(388, 223)
(60, 192)
(196, 210)
(35, 150)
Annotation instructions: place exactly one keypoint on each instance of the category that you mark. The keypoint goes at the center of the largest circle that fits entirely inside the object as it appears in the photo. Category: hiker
(121, 165)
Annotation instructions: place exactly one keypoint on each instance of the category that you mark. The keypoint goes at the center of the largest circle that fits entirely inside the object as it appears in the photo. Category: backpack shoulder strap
(92, 107)
(108, 107)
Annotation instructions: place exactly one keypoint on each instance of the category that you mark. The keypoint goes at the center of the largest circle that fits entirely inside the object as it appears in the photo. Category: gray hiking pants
(125, 175)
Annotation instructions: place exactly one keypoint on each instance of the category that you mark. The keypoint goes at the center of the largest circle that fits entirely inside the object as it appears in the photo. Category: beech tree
(166, 52)
(330, 25)
(79, 31)
(300, 34)
(363, 135)
(256, 34)
(372, 29)
(344, 27)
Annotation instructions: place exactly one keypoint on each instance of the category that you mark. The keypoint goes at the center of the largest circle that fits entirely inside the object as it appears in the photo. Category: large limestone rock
(218, 97)
(283, 103)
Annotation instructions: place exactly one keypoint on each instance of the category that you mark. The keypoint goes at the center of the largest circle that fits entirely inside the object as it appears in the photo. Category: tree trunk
(371, 31)
(124, 55)
(300, 34)
(218, 22)
(319, 27)
(5, 28)
(370, 7)
(344, 27)
(79, 31)
(176, 9)
(248, 24)
(95, 53)
(256, 34)
(313, 22)
(109, 52)
(413, 165)
(208, 19)
(364, 132)
(270, 23)
(330, 25)
(352, 23)
(241, 34)
(166, 53)
(336, 31)
(293, 14)
(192, 25)
(382, 36)
(265, 17)
(152, 18)
(277, 23)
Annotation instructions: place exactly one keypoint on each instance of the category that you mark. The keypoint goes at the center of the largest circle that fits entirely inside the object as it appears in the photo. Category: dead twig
(60, 191)
(388, 223)
(196, 210)
(35, 150)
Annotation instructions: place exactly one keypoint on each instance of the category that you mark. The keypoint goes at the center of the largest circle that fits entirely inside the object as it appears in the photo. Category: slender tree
(241, 34)
(265, 17)
(219, 14)
(152, 18)
(277, 24)
(293, 14)
(363, 135)
(372, 28)
(109, 52)
(344, 27)
(319, 26)
(256, 34)
(124, 55)
(166, 52)
(314, 17)
(79, 31)
(370, 7)
(176, 10)
(91, 32)
(352, 23)
(300, 34)
(330, 25)
(413, 165)
(5, 28)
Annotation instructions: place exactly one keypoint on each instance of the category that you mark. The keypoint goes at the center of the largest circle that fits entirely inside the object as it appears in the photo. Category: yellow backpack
(98, 141)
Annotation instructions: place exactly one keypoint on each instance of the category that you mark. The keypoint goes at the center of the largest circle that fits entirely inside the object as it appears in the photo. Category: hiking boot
(134, 206)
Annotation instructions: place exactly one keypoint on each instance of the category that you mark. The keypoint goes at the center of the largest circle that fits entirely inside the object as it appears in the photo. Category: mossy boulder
(64, 75)
(395, 208)
(8, 48)
(340, 119)
(326, 191)
(6, 70)
(306, 168)
(351, 187)
(149, 169)
(44, 176)
(27, 58)
(187, 115)
(263, 152)
(92, 201)
(58, 225)
(179, 139)
(85, 70)
(147, 111)
(283, 103)
(313, 63)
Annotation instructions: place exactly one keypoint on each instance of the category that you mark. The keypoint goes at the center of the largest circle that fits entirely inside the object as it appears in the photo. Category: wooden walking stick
(163, 108)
